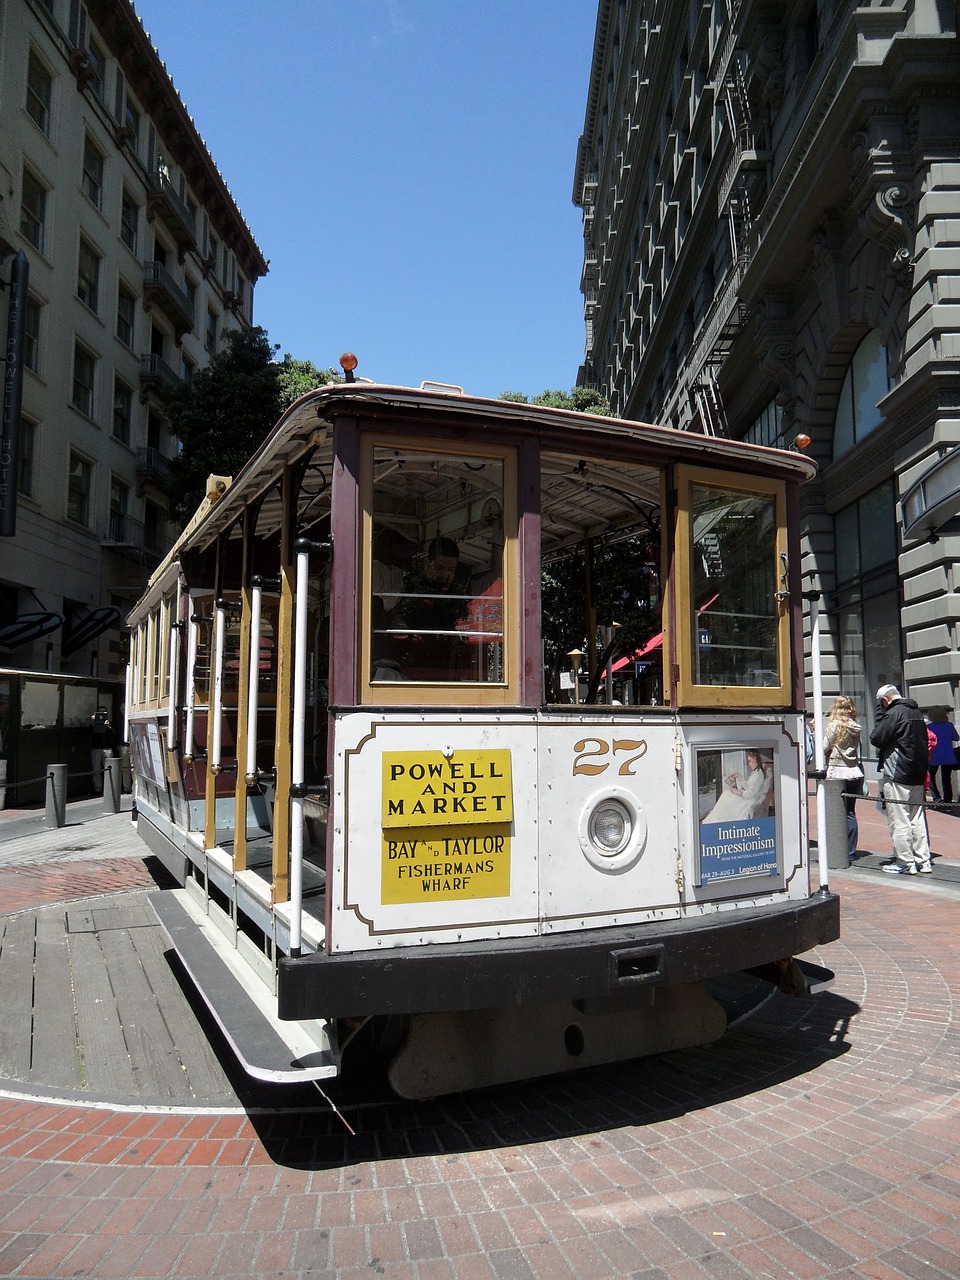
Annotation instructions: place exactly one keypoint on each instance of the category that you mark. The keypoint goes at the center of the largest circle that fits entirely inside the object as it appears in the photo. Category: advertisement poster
(737, 813)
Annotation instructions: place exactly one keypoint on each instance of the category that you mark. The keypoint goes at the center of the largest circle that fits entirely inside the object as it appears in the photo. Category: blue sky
(406, 166)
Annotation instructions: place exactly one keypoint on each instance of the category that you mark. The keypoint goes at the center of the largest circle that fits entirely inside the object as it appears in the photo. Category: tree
(580, 399)
(227, 409)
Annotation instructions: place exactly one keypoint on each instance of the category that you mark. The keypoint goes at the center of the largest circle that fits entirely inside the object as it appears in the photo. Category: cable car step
(268, 1049)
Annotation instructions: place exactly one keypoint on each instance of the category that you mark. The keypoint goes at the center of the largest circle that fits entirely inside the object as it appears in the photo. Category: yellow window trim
(406, 692)
(718, 695)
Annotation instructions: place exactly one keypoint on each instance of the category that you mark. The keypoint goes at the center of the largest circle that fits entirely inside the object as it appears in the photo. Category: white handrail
(253, 682)
(301, 609)
(818, 757)
(193, 643)
(216, 708)
(173, 674)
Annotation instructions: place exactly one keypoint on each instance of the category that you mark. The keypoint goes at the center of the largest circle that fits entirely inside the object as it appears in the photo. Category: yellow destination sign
(429, 866)
(429, 789)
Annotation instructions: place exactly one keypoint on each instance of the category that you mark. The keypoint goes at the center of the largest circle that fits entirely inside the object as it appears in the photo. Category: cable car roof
(610, 496)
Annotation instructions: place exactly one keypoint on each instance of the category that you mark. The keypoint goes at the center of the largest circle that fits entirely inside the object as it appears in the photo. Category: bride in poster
(744, 795)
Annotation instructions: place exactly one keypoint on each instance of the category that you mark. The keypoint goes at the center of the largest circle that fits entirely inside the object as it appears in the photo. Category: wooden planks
(89, 1004)
(16, 995)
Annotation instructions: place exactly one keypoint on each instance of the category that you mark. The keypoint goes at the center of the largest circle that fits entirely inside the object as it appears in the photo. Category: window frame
(682, 653)
(119, 385)
(126, 326)
(88, 281)
(129, 227)
(86, 493)
(441, 693)
(43, 116)
(87, 409)
(33, 333)
(38, 215)
(91, 179)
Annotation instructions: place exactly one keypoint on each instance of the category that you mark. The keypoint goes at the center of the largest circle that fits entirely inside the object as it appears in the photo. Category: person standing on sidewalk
(900, 737)
(943, 757)
(841, 747)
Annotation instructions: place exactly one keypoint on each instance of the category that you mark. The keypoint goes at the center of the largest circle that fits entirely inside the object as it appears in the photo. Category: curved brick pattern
(33, 885)
(818, 1139)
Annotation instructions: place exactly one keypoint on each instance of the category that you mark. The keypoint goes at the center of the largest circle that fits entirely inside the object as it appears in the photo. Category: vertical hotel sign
(446, 823)
(13, 394)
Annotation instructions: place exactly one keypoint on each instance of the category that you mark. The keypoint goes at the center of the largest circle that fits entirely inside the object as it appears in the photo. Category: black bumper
(573, 966)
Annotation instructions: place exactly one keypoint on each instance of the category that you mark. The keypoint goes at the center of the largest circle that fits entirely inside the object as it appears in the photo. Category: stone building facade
(771, 213)
(139, 261)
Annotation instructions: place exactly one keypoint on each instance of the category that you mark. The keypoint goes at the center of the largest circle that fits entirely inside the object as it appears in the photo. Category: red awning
(655, 642)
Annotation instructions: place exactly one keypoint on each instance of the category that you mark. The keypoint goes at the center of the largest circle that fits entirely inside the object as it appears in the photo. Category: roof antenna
(348, 362)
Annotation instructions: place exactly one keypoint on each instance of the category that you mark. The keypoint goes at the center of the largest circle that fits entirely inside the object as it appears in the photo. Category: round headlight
(611, 827)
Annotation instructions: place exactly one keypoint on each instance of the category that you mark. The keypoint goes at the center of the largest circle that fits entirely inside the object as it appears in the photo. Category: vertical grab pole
(814, 598)
(298, 731)
(216, 707)
(173, 676)
(253, 685)
(193, 643)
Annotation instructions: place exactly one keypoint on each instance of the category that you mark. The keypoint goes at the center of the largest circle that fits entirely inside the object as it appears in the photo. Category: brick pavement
(819, 1138)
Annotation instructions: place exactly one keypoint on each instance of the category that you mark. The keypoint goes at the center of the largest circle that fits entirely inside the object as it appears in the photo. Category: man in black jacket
(900, 737)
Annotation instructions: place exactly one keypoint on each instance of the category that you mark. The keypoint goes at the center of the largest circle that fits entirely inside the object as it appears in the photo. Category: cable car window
(435, 599)
(734, 617)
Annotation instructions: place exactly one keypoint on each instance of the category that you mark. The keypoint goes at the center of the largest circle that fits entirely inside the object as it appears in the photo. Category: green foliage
(296, 377)
(227, 409)
(626, 590)
(579, 399)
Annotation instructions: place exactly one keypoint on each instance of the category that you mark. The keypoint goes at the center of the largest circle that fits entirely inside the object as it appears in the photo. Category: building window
(122, 410)
(31, 335)
(28, 448)
(39, 93)
(33, 210)
(131, 122)
(84, 379)
(129, 221)
(210, 336)
(93, 172)
(868, 614)
(78, 490)
(96, 63)
(865, 385)
(187, 368)
(126, 315)
(767, 427)
(88, 276)
(119, 503)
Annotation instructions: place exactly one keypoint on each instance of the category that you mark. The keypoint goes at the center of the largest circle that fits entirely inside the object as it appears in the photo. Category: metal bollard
(55, 810)
(838, 855)
(111, 784)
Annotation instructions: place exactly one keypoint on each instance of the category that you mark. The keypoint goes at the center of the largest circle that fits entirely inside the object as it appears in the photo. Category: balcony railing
(122, 531)
(156, 375)
(152, 465)
(161, 290)
(164, 202)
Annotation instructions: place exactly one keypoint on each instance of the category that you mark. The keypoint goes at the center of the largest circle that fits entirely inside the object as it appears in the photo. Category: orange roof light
(802, 441)
(348, 362)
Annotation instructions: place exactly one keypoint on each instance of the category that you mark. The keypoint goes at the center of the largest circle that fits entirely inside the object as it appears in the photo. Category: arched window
(863, 388)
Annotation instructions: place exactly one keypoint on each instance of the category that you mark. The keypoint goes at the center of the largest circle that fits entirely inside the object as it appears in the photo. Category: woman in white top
(841, 749)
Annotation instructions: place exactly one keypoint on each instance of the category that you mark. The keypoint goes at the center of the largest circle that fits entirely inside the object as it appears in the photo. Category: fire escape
(727, 315)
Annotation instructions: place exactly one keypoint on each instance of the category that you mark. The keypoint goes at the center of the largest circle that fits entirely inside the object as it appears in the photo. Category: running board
(267, 1049)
